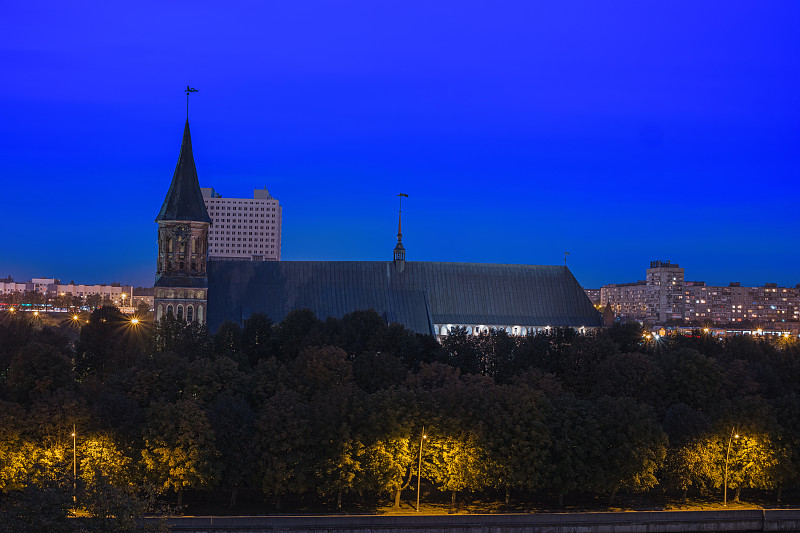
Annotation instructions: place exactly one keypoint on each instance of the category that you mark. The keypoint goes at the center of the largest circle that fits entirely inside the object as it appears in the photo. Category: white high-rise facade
(244, 228)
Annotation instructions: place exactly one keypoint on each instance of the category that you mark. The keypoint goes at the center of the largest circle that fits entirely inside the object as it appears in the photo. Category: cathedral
(426, 297)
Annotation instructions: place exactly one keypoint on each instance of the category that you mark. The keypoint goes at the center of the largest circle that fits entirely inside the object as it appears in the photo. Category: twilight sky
(621, 132)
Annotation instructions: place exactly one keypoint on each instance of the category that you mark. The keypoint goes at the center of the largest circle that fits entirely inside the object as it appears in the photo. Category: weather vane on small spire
(188, 91)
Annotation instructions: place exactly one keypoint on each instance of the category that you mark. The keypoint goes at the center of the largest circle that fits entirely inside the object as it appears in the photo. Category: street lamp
(123, 295)
(734, 435)
(134, 321)
(74, 467)
(419, 466)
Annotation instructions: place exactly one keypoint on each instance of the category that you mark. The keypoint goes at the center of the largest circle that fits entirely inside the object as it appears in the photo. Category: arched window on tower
(194, 246)
(199, 314)
(169, 310)
(189, 313)
(180, 312)
(169, 244)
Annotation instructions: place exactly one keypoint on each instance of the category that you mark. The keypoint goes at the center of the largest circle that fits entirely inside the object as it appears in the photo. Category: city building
(658, 299)
(593, 295)
(52, 288)
(425, 297)
(243, 228)
(665, 281)
(666, 297)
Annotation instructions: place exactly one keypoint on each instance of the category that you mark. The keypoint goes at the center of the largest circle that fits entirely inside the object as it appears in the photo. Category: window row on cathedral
(180, 312)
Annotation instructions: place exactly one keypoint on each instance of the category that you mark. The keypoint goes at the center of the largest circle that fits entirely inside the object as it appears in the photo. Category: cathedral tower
(181, 287)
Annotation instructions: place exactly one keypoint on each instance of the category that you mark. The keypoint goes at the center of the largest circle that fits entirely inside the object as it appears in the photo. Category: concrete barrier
(624, 522)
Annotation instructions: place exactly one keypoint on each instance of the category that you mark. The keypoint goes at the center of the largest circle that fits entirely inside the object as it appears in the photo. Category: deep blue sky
(621, 132)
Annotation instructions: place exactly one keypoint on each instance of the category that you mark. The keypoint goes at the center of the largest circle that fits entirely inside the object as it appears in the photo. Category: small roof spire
(184, 200)
(399, 250)
(400, 226)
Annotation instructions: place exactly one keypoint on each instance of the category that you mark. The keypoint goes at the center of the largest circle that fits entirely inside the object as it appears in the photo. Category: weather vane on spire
(188, 91)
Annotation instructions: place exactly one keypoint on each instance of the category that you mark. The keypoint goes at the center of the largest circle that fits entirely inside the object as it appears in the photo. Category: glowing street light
(134, 321)
(734, 435)
(74, 467)
(419, 466)
(123, 296)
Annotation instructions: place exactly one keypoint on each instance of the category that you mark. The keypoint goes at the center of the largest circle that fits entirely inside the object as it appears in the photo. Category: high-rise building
(665, 280)
(243, 228)
(659, 298)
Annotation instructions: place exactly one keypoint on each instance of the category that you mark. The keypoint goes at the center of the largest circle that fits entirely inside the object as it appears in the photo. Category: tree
(635, 446)
(389, 422)
(227, 341)
(516, 436)
(256, 338)
(687, 467)
(456, 462)
(106, 343)
(284, 446)
(462, 351)
(377, 371)
(297, 330)
(575, 453)
(102, 460)
(633, 375)
(233, 423)
(37, 371)
(179, 450)
(38, 506)
(691, 378)
(324, 376)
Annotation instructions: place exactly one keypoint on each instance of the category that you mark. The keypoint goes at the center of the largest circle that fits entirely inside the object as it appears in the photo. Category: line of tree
(335, 410)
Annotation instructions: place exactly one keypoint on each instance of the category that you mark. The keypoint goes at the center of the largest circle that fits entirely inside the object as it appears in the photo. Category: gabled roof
(184, 200)
(423, 294)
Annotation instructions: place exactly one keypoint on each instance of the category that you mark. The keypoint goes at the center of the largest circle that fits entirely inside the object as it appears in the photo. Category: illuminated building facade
(658, 299)
(734, 304)
(243, 228)
(665, 296)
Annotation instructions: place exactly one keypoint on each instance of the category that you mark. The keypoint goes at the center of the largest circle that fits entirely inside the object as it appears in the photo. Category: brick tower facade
(181, 287)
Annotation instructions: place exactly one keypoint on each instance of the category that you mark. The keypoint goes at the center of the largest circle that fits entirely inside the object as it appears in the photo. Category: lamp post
(74, 467)
(419, 466)
(734, 435)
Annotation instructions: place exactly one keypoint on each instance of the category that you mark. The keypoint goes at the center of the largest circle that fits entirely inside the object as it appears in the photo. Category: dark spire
(184, 200)
(399, 250)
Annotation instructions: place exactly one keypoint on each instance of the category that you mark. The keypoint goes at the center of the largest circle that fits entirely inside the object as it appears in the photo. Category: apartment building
(665, 296)
(247, 229)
